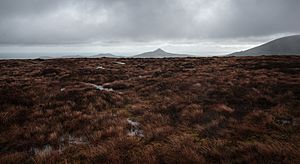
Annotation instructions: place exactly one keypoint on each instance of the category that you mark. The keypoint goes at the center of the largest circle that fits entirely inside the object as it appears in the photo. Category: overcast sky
(128, 27)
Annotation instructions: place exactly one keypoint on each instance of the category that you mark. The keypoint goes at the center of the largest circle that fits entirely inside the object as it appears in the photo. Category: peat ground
(175, 110)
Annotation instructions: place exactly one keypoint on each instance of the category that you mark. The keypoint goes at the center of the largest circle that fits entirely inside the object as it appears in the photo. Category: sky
(33, 28)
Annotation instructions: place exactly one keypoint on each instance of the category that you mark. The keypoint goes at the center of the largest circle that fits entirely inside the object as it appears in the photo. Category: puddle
(120, 63)
(100, 67)
(284, 120)
(64, 141)
(134, 129)
(62, 89)
(132, 123)
(100, 87)
(135, 132)
(74, 140)
(44, 151)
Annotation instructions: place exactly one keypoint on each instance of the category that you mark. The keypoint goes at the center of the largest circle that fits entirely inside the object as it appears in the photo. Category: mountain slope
(289, 45)
(159, 53)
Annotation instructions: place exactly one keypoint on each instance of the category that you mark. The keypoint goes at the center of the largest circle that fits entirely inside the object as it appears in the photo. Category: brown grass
(190, 110)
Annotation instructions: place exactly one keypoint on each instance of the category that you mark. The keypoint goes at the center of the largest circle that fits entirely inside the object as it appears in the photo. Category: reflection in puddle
(100, 87)
(120, 63)
(100, 67)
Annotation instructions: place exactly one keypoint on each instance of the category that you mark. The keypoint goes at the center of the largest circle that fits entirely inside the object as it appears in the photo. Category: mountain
(159, 53)
(107, 55)
(289, 45)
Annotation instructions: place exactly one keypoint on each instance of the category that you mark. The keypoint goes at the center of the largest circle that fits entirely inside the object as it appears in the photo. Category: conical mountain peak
(159, 50)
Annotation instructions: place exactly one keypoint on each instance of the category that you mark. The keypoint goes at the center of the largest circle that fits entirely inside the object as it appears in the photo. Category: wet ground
(150, 110)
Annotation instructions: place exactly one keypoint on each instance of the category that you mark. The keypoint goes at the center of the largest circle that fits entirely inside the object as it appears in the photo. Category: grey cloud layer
(83, 21)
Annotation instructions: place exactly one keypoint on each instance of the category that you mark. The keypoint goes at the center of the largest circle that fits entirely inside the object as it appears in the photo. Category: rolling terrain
(172, 110)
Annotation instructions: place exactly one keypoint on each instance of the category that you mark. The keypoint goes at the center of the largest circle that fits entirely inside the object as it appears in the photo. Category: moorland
(172, 110)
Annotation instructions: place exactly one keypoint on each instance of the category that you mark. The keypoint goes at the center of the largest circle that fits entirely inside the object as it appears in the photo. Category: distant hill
(107, 55)
(289, 45)
(159, 53)
(45, 57)
(71, 56)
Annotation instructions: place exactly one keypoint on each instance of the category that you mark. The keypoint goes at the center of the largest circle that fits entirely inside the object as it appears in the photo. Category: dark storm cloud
(84, 21)
(258, 18)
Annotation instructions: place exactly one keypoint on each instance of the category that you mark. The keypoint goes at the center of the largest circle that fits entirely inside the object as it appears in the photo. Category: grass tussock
(186, 110)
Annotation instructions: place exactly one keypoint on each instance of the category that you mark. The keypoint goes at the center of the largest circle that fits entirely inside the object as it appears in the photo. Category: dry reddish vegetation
(185, 110)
